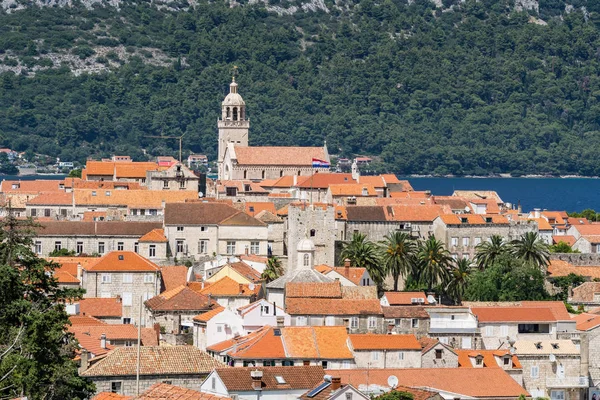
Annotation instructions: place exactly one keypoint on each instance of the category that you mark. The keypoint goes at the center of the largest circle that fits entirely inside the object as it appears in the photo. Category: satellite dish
(552, 358)
(392, 381)
(251, 286)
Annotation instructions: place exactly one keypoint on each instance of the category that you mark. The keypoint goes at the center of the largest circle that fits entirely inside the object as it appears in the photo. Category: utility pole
(139, 337)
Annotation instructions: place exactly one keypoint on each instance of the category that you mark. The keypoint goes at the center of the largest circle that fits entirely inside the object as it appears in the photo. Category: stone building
(184, 366)
(176, 177)
(435, 354)
(385, 351)
(406, 320)
(316, 222)
(236, 160)
(125, 274)
(454, 326)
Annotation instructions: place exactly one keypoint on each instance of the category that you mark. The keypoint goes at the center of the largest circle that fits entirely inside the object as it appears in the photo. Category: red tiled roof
(356, 189)
(474, 382)
(300, 377)
(174, 276)
(325, 342)
(154, 236)
(371, 341)
(488, 358)
(324, 180)
(181, 298)
(101, 307)
(313, 289)
(34, 186)
(404, 298)
(290, 156)
(568, 239)
(112, 331)
(123, 261)
(246, 271)
(418, 394)
(513, 314)
(228, 287)
(585, 321)
(163, 391)
(149, 337)
(84, 320)
(110, 396)
(563, 268)
(53, 198)
(405, 312)
(207, 316)
(353, 274)
(154, 360)
(253, 208)
(325, 306)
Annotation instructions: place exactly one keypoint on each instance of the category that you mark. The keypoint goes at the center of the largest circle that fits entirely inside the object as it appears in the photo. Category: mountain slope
(466, 88)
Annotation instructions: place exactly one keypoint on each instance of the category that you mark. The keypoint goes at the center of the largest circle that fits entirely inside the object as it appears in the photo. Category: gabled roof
(488, 358)
(154, 360)
(110, 396)
(163, 391)
(366, 214)
(246, 271)
(513, 314)
(405, 312)
(207, 214)
(473, 219)
(563, 268)
(589, 229)
(123, 261)
(288, 156)
(586, 322)
(313, 289)
(101, 307)
(52, 199)
(538, 347)
(404, 298)
(371, 341)
(154, 236)
(355, 189)
(324, 180)
(132, 198)
(260, 344)
(112, 331)
(474, 382)
(420, 213)
(359, 292)
(100, 228)
(228, 287)
(353, 274)
(300, 377)
(181, 298)
(84, 320)
(253, 208)
(173, 276)
(207, 316)
(478, 194)
(585, 292)
(568, 239)
(34, 186)
(307, 306)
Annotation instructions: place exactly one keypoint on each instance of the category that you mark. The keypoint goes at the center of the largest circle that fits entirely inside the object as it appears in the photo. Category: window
(254, 247)
(400, 355)
(180, 245)
(264, 310)
(149, 278)
(324, 364)
(38, 247)
(129, 343)
(152, 250)
(213, 383)
(127, 278)
(477, 241)
(306, 261)
(136, 247)
(219, 328)
(202, 229)
(489, 330)
(231, 248)
(560, 371)
(454, 256)
(126, 321)
(107, 193)
(301, 321)
(346, 364)
(372, 322)
(115, 387)
(414, 323)
(535, 371)
(180, 229)
(374, 356)
(438, 354)
(153, 212)
(454, 241)
(120, 246)
(202, 246)
(100, 247)
(287, 363)
(79, 247)
(165, 184)
(57, 245)
(466, 343)
(557, 394)
(313, 233)
(106, 278)
(444, 340)
(231, 191)
(478, 361)
(34, 212)
(280, 379)
(354, 323)
(466, 241)
(46, 212)
(506, 360)
(93, 192)
(503, 330)
(269, 363)
(330, 320)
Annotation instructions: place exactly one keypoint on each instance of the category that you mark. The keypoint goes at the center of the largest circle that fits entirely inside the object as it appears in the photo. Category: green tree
(458, 279)
(433, 263)
(364, 254)
(399, 252)
(565, 283)
(486, 252)
(75, 173)
(395, 395)
(62, 253)
(273, 270)
(531, 249)
(36, 350)
(562, 247)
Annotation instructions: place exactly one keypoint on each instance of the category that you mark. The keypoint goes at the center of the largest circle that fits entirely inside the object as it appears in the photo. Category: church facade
(238, 161)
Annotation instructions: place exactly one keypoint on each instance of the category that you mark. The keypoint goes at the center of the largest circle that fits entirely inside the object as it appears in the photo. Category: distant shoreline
(503, 176)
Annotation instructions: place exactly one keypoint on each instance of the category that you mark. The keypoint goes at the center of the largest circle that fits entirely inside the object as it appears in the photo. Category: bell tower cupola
(233, 124)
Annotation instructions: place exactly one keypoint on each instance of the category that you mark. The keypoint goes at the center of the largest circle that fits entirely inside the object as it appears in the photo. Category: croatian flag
(316, 163)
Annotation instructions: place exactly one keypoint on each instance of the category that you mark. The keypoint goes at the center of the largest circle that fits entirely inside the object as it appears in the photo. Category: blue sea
(558, 194)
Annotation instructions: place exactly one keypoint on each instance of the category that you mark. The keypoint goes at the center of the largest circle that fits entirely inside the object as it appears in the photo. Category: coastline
(503, 176)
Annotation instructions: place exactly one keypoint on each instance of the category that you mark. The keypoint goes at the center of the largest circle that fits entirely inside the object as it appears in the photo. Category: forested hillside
(466, 88)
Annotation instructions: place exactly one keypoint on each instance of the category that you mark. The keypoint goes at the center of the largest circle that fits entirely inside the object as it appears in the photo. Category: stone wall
(128, 383)
(305, 221)
(578, 259)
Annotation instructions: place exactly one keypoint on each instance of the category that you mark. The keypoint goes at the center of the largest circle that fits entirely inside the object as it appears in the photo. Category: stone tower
(305, 255)
(233, 125)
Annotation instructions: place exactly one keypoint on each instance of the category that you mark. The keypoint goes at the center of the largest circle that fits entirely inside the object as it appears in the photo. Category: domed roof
(233, 98)
(305, 245)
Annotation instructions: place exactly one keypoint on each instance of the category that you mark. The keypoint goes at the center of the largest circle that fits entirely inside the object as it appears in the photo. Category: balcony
(568, 382)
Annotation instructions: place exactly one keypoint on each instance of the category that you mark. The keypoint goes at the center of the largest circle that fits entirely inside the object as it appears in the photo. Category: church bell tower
(233, 125)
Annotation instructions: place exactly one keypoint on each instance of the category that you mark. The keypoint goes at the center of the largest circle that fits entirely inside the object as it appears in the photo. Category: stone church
(238, 161)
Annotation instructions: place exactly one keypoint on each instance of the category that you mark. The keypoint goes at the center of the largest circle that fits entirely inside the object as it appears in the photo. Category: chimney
(103, 341)
(256, 376)
(274, 309)
(241, 285)
(79, 271)
(519, 208)
(347, 267)
(536, 213)
(209, 298)
(156, 328)
(84, 360)
(118, 298)
(336, 382)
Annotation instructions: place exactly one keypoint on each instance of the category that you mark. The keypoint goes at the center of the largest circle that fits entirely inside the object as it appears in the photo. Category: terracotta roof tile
(585, 321)
(110, 396)
(78, 320)
(478, 195)
(228, 287)
(307, 306)
(154, 360)
(246, 271)
(154, 236)
(353, 274)
(198, 213)
(543, 224)
(207, 316)
(123, 261)
(163, 391)
(418, 394)
(289, 156)
(359, 292)
(253, 208)
(34, 186)
(546, 347)
(475, 382)
(52, 199)
(371, 341)
(356, 189)
(564, 268)
(405, 298)
(101, 307)
(260, 344)
(102, 228)
(313, 289)
(132, 198)
(473, 219)
(422, 213)
(405, 312)
(149, 337)
(513, 314)
(300, 377)
(112, 331)
(427, 343)
(174, 276)
(488, 358)
(325, 180)
(568, 239)
(366, 213)
(181, 298)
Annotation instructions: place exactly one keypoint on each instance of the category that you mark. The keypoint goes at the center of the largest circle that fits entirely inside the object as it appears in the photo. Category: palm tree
(364, 254)
(273, 270)
(433, 262)
(458, 279)
(487, 252)
(398, 255)
(531, 249)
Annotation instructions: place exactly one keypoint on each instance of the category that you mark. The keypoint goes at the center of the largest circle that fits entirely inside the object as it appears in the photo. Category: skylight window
(280, 379)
